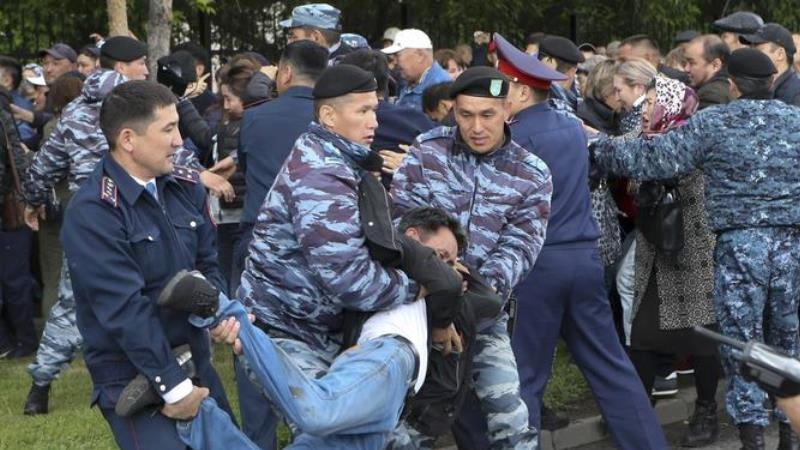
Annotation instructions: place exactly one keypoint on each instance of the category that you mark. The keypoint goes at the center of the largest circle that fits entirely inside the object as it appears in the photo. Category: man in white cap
(413, 52)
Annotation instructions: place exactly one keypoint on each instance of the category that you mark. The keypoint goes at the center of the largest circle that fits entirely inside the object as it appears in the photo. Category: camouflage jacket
(748, 152)
(502, 199)
(308, 260)
(77, 143)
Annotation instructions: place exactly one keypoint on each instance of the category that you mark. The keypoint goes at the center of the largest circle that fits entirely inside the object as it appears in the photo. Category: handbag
(660, 217)
(13, 213)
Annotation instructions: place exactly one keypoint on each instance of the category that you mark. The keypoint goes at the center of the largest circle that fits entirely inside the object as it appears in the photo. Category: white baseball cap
(409, 38)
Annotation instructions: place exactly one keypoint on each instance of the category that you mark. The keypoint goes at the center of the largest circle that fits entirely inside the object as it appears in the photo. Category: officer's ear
(126, 139)
(413, 233)
(327, 115)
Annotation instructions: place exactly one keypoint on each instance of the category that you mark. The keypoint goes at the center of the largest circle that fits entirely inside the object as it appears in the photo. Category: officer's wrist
(179, 392)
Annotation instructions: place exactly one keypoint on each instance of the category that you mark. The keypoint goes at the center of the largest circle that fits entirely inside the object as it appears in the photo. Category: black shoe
(551, 421)
(21, 352)
(752, 437)
(788, 440)
(138, 394)
(6, 351)
(190, 292)
(38, 398)
(703, 426)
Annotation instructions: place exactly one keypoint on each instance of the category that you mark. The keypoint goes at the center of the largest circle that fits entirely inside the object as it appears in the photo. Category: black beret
(343, 79)
(741, 22)
(561, 48)
(480, 81)
(123, 48)
(750, 63)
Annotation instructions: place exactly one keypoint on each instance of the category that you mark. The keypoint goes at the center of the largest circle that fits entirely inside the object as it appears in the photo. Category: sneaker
(38, 398)
(190, 292)
(138, 394)
(665, 386)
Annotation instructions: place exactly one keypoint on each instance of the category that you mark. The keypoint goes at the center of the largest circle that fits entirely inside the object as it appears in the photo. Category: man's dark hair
(534, 38)
(434, 94)
(132, 105)
(12, 67)
(561, 65)
(307, 58)
(197, 51)
(641, 40)
(714, 47)
(754, 88)
(372, 61)
(107, 62)
(429, 220)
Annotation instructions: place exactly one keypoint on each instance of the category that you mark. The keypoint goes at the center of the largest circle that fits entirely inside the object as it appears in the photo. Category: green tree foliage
(232, 25)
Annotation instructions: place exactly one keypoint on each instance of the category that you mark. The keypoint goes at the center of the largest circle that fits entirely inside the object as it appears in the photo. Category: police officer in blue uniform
(564, 296)
(134, 223)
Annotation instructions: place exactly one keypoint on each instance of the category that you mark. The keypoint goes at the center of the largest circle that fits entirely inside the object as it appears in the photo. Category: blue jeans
(355, 404)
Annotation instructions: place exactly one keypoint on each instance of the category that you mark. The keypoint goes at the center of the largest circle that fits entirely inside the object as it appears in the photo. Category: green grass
(567, 386)
(71, 424)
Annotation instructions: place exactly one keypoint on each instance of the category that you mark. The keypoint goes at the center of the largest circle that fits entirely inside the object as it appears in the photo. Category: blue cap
(355, 40)
(318, 15)
(523, 68)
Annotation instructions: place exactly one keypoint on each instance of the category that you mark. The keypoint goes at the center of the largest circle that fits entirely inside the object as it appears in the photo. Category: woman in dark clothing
(673, 290)
(241, 86)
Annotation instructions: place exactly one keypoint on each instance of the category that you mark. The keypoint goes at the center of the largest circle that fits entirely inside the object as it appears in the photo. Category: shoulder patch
(186, 174)
(436, 133)
(108, 192)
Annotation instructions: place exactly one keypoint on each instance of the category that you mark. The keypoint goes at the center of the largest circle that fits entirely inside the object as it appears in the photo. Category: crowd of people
(394, 239)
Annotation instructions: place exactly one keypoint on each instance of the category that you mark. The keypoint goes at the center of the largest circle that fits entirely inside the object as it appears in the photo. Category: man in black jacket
(706, 56)
(17, 335)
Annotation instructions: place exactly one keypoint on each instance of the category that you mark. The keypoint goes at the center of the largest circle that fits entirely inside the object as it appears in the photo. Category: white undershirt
(409, 320)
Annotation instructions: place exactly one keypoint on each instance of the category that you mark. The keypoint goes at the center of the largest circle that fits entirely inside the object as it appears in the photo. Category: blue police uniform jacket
(122, 246)
(560, 142)
(267, 136)
(748, 152)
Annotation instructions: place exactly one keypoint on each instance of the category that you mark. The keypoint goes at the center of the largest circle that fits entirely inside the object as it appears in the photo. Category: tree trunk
(117, 18)
(159, 21)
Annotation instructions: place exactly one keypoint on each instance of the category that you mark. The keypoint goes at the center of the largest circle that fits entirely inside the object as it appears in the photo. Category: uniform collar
(541, 106)
(356, 153)
(128, 188)
(298, 92)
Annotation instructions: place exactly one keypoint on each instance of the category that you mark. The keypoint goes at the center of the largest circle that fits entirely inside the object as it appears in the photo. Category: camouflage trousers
(496, 384)
(757, 290)
(60, 338)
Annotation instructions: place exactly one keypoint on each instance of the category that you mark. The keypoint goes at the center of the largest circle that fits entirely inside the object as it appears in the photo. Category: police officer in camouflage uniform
(748, 152)
(73, 150)
(501, 195)
(308, 262)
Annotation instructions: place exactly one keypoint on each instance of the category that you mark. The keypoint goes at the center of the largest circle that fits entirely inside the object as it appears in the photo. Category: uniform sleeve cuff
(177, 393)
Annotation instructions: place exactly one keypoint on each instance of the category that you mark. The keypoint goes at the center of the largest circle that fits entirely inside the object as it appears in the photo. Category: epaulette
(436, 133)
(108, 191)
(186, 174)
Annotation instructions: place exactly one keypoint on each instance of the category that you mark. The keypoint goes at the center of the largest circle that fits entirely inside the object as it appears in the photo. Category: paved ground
(728, 440)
